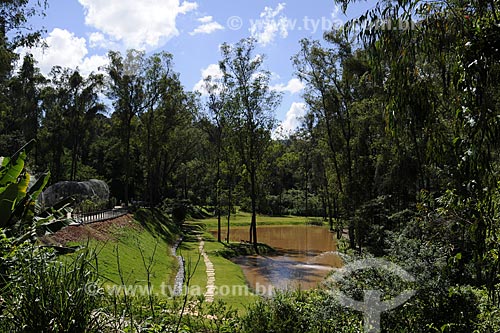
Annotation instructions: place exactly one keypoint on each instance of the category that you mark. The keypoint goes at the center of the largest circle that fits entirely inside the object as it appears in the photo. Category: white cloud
(293, 86)
(65, 50)
(137, 24)
(292, 119)
(94, 63)
(212, 70)
(186, 7)
(98, 40)
(208, 25)
(206, 19)
(265, 29)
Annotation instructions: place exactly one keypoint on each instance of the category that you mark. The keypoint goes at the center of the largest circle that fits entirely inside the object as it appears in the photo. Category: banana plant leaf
(12, 168)
(8, 201)
(27, 207)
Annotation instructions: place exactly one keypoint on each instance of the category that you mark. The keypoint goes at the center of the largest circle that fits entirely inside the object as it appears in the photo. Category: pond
(306, 254)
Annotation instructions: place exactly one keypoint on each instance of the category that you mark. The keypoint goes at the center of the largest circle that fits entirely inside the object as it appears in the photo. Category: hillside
(125, 246)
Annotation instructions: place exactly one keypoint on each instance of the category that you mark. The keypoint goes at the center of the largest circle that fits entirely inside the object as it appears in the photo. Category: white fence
(85, 218)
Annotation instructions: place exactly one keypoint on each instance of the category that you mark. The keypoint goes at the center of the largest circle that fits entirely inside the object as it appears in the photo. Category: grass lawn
(229, 279)
(244, 218)
(194, 265)
(131, 250)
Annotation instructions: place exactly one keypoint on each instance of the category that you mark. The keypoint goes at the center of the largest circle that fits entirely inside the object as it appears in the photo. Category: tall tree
(83, 108)
(25, 93)
(329, 97)
(252, 105)
(126, 90)
(440, 81)
(160, 85)
(15, 32)
(70, 104)
(214, 125)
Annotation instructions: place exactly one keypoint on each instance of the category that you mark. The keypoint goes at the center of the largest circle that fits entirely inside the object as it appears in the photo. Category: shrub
(47, 295)
(300, 311)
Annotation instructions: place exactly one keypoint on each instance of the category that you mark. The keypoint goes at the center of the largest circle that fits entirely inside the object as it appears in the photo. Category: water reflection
(306, 254)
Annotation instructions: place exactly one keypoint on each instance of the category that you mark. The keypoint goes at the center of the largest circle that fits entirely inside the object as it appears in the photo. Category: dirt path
(102, 231)
(209, 295)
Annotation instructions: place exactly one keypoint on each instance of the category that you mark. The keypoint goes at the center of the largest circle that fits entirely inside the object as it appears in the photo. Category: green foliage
(16, 200)
(292, 202)
(454, 310)
(92, 204)
(250, 113)
(300, 311)
(71, 105)
(244, 249)
(47, 295)
(20, 215)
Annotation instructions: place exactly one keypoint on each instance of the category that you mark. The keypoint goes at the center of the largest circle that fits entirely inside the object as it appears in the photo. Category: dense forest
(400, 143)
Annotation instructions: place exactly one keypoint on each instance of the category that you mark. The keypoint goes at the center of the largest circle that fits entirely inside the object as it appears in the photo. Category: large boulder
(91, 189)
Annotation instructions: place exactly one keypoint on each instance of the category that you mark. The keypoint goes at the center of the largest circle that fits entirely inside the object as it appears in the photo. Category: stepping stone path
(209, 295)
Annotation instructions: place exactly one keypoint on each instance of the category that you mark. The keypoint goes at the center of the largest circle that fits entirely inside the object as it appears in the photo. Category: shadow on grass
(158, 224)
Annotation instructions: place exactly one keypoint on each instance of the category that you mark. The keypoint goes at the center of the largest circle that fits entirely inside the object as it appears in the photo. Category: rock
(92, 189)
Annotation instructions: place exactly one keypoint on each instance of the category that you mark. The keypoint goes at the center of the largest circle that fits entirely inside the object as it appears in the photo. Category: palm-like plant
(21, 217)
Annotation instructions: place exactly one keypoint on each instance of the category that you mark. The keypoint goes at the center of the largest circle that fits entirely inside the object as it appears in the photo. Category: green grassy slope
(123, 259)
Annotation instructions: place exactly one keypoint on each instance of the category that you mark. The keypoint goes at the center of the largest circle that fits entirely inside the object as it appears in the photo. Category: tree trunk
(217, 197)
(306, 194)
(126, 166)
(253, 225)
(229, 208)
(352, 236)
(330, 212)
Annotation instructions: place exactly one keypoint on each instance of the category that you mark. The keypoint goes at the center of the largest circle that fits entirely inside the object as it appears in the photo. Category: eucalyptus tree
(25, 94)
(330, 99)
(231, 175)
(251, 106)
(155, 117)
(15, 32)
(127, 90)
(214, 124)
(160, 81)
(82, 110)
(440, 78)
(221, 149)
(179, 139)
(70, 104)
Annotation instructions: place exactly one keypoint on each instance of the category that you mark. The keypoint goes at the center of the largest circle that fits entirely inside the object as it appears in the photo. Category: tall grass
(44, 294)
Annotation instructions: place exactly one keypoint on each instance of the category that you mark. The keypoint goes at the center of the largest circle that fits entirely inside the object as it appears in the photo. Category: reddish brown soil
(101, 231)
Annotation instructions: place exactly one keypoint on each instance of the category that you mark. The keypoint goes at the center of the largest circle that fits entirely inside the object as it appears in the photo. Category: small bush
(300, 311)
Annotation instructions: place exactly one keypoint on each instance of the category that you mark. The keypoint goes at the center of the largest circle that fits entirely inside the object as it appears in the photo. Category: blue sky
(80, 33)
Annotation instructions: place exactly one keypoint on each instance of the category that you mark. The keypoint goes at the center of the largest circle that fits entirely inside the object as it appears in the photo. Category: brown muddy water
(306, 254)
